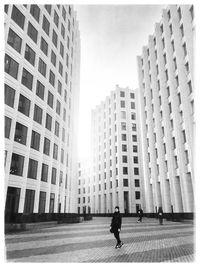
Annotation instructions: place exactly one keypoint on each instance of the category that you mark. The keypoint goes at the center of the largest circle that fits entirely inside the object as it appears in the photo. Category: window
(66, 78)
(32, 32)
(44, 173)
(29, 55)
(35, 12)
(24, 105)
(57, 128)
(48, 122)
(20, 133)
(48, 8)
(184, 136)
(6, 9)
(185, 49)
(123, 137)
(55, 151)
(56, 18)
(37, 114)
(133, 116)
(27, 79)
(125, 182)
(53, 175)
(32, 169)
(64, 114)
(179, 13)
(18, 17)
(123, 114)
(46, 148)
(55, 38)
(124, 148)
(123, 126)
(136, 171)
(63, 31)
(63, 134)
(9, 95)
(50, 99)
(14, 40)
(29, 201)
(124, 159)
(59, 87)
(137, 183)
(134, 138)
(132, 105)
(132, 95)
(64, 13)
(45, 25)
(40, 90)
(125, 170)
(134, 127)
(122, 103)
(69, 25)
(44, 46)
(42, 67)
(58, 107)
(7, 126)
(60, 68)
(42, 202)
(134, 148)
(62, 156)
(53, 58)
(51, 204)
(11, 66)
(68, 42)
(17, 165)
(35, 140)
(137, 194)
(135, 159)
(122, 94)
(52, 78)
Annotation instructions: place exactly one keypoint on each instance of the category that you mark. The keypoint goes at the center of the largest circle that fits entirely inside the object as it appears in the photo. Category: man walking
(140, 213)
(115, 226)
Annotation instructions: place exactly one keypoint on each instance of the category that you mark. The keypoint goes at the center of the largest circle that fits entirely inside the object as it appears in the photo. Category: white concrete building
(117, 167)
(42, 67)
(167, 115)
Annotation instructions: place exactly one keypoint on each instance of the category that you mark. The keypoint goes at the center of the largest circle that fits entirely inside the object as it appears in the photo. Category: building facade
(42, 67)
(167, 112)
(116, 163)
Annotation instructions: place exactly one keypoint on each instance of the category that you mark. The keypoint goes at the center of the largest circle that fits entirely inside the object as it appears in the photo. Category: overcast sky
(111, 38)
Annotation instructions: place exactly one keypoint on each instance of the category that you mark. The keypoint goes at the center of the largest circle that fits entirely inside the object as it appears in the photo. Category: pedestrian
(160, 215)
(140, 213)
(115, 226)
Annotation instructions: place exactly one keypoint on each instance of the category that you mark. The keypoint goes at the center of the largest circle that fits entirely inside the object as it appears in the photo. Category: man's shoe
(120, 245)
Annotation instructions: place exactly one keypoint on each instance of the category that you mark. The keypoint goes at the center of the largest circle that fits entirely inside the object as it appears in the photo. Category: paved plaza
(91, 241)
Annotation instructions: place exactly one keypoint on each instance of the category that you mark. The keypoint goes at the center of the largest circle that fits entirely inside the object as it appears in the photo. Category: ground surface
(91, 241)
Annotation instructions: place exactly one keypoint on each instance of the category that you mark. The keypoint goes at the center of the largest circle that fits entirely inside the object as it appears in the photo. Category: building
(167, 112)
(116, 163)
(84, 187)
(42, 66)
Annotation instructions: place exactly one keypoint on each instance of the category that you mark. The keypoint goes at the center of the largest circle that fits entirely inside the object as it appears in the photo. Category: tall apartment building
(42, 65)
(167, 115)
(116, 172)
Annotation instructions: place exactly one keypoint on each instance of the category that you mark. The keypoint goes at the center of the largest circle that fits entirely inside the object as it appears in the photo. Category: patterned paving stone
(91, 241)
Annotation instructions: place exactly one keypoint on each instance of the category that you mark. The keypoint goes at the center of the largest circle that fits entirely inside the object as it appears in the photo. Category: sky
(112, 36)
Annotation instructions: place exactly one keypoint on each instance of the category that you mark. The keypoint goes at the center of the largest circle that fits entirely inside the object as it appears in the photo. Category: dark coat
(116, 221)
(140, 212)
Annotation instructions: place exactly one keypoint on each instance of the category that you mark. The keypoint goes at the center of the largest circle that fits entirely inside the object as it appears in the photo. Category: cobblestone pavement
(91, 241)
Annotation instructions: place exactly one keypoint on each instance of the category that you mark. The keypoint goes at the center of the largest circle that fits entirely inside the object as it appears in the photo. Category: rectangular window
(56, 18)
(42, 202)
(59, 87)
(132, 105)
(35, 12)
(14, 40)
(29, 55)
(63, 134)
(42, 67)
(51, 204)
(24, 105)
(48, 8)
(53, 175)
(32, 169)
(7, 126)
(137, 194)
(9, 96)
(55, 151)
(58, 107)
(124, 159)
(134, 148)
(44, 46)
(122, 94)
(57, 128)
(50, 99)
(63, 31)
(132, 95)
(123, 137)
(17, 164)
(134, 127)
(125, 182)
(35, 140)
(125, 170)
(18, 17)
(45, 25)
(40, 90)
(137, 183)
(27, 79)
(29, 201)
(64, 13)
(135, 159)
(122, 104)
(136, 171)
(60, 68)
(55, 38)
(46, 148)
(53, 58)
(123, 126)
(134, 138)
(44, 172)
(32, 32)
(124, 148)
(38, 114)
(48, 122)
(20, 133)
(11, 66)
(52, 78)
